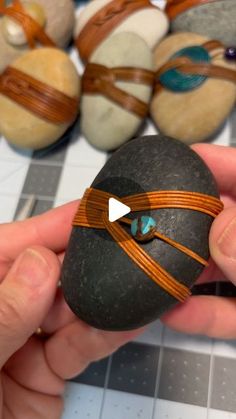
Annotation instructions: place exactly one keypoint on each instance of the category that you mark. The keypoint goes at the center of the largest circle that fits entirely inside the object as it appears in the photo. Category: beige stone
(105, 124)
(150, 24)
(14, 32)
(60, 20)
(20, 126)
(195, 115)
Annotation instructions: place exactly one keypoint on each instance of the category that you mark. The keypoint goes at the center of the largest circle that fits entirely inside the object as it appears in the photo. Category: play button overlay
(117, 210)
(118, 187)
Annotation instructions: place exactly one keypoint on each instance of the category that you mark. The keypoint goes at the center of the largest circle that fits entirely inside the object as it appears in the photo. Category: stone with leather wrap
(195, 92)
(101, 283)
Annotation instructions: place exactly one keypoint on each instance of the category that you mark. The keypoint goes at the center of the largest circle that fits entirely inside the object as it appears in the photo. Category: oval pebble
(60, 21)
(194, 115)
(215, 20)
(105, 124)
(24, 128)
(101, 284)
(151, 24)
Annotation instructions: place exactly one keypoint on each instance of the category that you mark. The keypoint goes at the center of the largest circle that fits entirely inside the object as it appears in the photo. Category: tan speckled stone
(105, 124)
(60, 20)
(150, 24)
(23, 128)
(195, 115)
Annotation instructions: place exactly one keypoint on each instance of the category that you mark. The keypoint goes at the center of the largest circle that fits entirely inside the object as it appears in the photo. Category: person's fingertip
(31, 268)
(223, 242)
(227, 241)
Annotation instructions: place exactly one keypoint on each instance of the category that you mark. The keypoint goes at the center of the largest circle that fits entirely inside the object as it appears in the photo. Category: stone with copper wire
(106, 123)
(192, 107)
(149, 22)
(39, 98)
(55, 18)
(107, 281)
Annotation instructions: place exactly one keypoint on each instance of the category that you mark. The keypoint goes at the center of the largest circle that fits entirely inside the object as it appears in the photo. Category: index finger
(51, 229)
(221, 160)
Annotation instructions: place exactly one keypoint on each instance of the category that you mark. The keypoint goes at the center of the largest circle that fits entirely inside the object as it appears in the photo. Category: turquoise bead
(143, 228)
(176, 80)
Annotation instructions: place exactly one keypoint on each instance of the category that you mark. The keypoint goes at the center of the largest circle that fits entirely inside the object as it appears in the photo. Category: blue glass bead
(176, 80)
(230, 53)
(143, 228)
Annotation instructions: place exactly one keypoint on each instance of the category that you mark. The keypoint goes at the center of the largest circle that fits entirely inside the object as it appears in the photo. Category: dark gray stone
(216, 20)
(101, 283)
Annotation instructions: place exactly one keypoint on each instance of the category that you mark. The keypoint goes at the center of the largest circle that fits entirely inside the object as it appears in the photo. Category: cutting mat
(160, 375)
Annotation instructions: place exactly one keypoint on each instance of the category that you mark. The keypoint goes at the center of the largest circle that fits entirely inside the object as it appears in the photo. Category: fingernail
(31, 268)
(227, 241)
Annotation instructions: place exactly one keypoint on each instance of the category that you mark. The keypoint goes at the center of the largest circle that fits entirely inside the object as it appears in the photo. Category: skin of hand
(33, 371)
(214, 316)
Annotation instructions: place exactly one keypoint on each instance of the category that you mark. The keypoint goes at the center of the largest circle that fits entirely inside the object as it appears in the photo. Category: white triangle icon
(117, 210)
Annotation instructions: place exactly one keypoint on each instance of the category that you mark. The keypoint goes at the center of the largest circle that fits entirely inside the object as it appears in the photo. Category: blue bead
(143, 228)
(177, 81)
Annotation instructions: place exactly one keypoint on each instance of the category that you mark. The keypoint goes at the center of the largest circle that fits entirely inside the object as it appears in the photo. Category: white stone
(104, 123)
(149, 23)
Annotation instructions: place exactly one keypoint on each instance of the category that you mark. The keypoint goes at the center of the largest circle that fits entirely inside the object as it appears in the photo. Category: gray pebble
(101, 284)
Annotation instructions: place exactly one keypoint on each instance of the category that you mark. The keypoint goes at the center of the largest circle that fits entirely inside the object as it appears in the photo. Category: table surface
(160, 375)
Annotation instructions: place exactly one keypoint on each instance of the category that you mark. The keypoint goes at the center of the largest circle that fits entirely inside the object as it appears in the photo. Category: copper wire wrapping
(98, 79)
(104, 22)
(39, 98)
(93, 213)
(33, 31)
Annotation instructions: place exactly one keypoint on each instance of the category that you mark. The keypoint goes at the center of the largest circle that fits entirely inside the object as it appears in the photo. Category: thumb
(26, 295)
(223, 242)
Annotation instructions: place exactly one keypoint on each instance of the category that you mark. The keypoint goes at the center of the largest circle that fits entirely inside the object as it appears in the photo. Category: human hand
(211, 315)
(33, 370)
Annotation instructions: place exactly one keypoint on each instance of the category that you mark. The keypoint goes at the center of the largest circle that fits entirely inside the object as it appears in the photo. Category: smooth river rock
(149, 23)
(105, 124)
(197, 114)
(59, 26)
(24, 128)
(100, 282)
(216, 20)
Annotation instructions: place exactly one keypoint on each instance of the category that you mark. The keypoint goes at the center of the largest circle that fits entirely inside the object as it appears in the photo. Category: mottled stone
(151, 24)
(101, 284)
(60, 20)
(24, 128)
(197, 114)
(105, 124)
(217, 20)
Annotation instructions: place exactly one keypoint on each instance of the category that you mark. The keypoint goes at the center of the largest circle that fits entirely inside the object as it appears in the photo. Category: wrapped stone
(39, 98)
(192, 107)
(102, 18)
(215, 19)
(54, 20)
(106, 122)
(101, 283)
